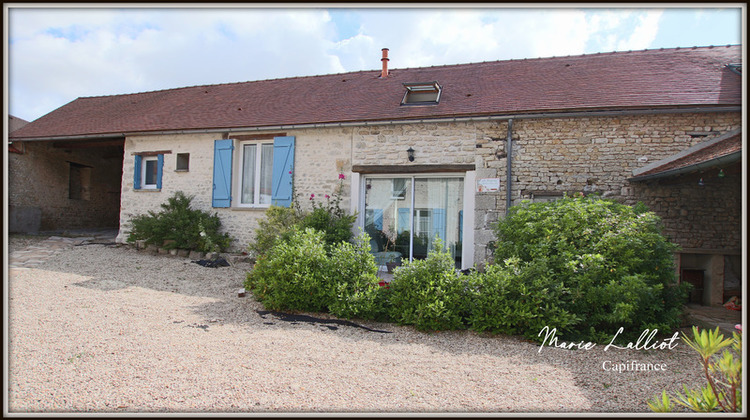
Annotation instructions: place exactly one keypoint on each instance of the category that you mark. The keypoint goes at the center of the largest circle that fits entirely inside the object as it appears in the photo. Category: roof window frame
(422, 87)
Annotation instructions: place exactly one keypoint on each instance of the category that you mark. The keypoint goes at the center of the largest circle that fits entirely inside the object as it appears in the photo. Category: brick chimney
(384, 72)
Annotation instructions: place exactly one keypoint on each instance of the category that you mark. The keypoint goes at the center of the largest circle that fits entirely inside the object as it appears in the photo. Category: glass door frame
(357, 206)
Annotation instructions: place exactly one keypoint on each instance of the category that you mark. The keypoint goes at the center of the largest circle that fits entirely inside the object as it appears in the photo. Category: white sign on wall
(488, 184)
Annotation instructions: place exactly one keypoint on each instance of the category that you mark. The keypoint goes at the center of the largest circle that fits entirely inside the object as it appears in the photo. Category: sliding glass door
(405, 215)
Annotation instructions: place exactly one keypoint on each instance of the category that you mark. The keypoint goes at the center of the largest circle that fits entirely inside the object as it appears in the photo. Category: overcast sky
(57, 55)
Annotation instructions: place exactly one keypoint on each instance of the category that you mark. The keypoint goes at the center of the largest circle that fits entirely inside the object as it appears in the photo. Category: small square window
(150, 171)
(183, 162)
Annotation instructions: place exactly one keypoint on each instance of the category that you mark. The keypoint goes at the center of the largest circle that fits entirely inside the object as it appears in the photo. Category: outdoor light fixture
(410, 152)
(700, 182)
(721, 173)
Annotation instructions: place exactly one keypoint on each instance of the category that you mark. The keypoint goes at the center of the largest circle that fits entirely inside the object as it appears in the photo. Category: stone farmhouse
(435, 151)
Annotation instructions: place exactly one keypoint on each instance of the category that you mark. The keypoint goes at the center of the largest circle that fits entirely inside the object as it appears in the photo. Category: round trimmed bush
(612, 259)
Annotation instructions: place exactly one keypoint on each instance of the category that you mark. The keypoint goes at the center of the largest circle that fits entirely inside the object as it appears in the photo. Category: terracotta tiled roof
(14, 123)
(627, 80)
(729, 144)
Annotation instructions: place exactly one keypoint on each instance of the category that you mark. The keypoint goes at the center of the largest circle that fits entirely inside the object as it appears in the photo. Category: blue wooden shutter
(438, 223)
(222, 192)
(283, 166)
(159, 170)
(378, 218)
(461, 226)
(137, 172)
(403, 220)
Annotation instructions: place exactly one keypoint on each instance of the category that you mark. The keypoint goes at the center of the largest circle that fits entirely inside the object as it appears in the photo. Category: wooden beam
(267, 136)
(88, 144)
(152, 153)
(410, 169)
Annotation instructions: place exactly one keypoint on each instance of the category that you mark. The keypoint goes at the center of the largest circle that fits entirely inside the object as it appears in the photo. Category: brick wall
(39, 178)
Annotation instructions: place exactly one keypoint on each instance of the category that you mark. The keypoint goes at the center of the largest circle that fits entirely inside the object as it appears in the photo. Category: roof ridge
(409, 68)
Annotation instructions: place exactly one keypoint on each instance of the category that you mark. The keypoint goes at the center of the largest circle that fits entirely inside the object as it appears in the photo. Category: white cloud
(644, 34)
(56, 55)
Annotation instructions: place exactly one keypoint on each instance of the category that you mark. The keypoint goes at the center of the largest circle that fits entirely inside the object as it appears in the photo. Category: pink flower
(312, 196)
(342, 176)
(327, 196)
(290, 172)
(739, 327)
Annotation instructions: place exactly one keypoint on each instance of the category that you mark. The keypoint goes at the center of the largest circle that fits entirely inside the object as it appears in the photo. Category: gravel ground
(113, 330)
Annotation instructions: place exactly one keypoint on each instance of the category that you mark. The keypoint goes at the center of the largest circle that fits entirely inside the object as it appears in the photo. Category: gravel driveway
(102, 328)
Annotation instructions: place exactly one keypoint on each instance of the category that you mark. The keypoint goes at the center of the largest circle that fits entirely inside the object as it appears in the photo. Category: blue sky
(58, 54)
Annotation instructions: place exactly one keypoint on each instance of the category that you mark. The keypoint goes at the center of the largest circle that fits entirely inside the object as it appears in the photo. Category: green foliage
(355, 272)
(613, 260)
(302, 273)
(276, 226)
(295, 275)
(328, 218)
(723, 391)
(429, 293)
(335, 227)
(517, 298)
(179, 226)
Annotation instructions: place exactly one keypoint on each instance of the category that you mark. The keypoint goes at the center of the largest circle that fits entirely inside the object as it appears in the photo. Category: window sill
(182, 170)
(147, 190)
(249, 208)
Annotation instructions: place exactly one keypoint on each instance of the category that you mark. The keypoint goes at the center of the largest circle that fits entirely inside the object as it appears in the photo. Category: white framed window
(255, 174)
(422, 222)
(149, 172)
(399, 188)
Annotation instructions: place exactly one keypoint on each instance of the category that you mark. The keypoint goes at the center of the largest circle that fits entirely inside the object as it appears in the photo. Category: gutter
(509, 164)
(498, 117)
(726, 159)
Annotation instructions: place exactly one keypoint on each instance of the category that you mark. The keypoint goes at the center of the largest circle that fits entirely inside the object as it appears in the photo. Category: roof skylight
(421, 93)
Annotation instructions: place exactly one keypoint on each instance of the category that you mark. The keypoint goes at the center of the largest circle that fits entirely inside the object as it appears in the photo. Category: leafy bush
(302, 274)
(612, 259)
(429, 293)
(295, 275)
(335, 227)
(355, 272)
(179, 226)
(276, 226)
(517, 299)
(723, 389)
(328, 218)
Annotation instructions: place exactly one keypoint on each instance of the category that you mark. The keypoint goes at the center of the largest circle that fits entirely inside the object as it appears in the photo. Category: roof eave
(712, 163)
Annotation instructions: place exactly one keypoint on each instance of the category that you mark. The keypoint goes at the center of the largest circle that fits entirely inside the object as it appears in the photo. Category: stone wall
(707, 217)
(589, 155)
(39, 184)
(320, 155)
(556, 155)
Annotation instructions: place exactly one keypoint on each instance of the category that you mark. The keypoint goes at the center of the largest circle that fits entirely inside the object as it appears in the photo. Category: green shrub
(328, 218)
(429, 293)
(517, 299)
(612, 259)
(302, 273)
(277, 225)
(179, 226)
(723, 389)
(295, 275)
(335, 227)
(358, 294)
